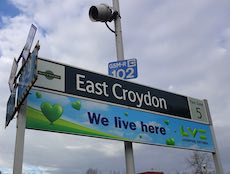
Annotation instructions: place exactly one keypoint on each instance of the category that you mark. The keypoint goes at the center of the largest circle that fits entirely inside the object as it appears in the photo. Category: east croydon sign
(91, 85)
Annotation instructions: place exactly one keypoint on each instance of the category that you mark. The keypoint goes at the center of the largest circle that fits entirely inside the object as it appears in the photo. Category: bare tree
(198, 160)
(98, 171)
(91, 171)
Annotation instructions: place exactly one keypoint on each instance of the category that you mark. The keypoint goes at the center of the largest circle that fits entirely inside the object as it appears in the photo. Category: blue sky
(8, 9)
(181, 46)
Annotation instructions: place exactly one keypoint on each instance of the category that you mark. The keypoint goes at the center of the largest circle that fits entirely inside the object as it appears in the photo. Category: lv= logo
(193, 132)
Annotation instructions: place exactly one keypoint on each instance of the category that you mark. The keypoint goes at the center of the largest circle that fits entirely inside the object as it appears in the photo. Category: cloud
(89, 105)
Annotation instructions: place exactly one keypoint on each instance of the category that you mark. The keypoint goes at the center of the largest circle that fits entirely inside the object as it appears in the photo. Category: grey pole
(129, 159)
(130, 168)
(20, 136)
(216, 154)
(118, 32)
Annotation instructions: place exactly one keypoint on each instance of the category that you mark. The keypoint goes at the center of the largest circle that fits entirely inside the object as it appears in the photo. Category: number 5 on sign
(197, 110)
(125, 69)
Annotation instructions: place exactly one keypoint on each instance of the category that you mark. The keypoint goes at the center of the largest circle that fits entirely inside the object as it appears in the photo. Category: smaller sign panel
(12, 75)
(10, 111)
(28, 76)
(197, 109)
(29, 42)
(124, 69)
(73, 115)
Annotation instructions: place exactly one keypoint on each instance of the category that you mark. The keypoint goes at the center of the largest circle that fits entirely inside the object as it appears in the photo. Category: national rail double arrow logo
(49, 75)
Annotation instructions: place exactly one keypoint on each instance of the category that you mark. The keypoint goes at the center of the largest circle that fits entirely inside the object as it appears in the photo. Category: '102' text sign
(124, 69)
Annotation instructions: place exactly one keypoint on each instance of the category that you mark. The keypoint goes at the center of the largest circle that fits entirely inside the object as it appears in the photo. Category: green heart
(170, 141)
(126, 114)
(166, 122)
(76, 105)
(38, 95)
(51, 112)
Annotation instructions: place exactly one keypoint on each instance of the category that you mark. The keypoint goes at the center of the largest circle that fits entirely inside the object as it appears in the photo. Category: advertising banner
(91, 85)
(75, 115)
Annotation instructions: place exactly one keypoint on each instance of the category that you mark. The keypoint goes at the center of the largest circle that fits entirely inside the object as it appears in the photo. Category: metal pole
(129, 159)
(19, 144)
(130, 168)
(216, 154)
(118, 32)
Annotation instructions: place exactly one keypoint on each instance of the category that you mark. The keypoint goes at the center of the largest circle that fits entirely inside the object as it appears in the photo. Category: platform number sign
(125, 69)
(197, 109)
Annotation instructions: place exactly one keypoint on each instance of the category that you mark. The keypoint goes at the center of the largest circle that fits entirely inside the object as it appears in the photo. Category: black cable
(109, 28)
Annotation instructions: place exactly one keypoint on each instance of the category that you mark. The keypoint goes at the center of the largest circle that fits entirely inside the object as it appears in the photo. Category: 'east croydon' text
(119, 93)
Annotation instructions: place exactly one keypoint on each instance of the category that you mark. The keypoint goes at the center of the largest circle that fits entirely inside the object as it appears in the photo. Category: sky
(181, 46)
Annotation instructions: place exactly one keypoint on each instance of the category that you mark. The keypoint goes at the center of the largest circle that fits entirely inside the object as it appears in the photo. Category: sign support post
(129, 158)
(216, 154)
(20, 136)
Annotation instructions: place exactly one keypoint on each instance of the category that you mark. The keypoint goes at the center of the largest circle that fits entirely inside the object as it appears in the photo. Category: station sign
(94, 86)
(124, 69)
(55, 112)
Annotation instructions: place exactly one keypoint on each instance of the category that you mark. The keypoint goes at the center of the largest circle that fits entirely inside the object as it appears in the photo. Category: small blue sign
(28, 76)
(11, 109)
(124, 69)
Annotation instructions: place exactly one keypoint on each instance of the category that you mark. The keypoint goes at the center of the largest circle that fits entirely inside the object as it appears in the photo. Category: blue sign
(73, 115)
(11, 109)
(28, 76)
(125, 69)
